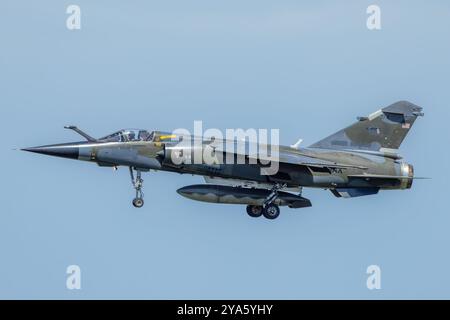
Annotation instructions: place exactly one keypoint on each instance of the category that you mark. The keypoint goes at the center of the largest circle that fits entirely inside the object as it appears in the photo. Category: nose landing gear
(138, 202)
(137, 183)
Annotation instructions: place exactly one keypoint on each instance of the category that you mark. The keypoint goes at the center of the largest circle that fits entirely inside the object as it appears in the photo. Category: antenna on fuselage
(297, 144)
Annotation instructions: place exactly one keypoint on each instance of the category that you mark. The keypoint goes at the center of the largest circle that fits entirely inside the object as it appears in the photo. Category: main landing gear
(255, 211)
(269, 209)
(137, 182)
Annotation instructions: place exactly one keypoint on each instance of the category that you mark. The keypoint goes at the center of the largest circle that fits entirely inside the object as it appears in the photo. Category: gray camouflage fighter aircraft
(356, 161)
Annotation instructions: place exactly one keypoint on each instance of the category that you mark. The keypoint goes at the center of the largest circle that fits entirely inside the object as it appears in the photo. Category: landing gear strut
(137, 183)
(273, 195)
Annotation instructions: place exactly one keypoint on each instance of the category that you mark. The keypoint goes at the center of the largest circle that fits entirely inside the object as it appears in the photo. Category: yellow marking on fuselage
(169, 136)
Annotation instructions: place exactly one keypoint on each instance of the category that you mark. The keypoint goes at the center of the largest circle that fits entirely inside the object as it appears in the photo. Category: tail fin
(383, 130)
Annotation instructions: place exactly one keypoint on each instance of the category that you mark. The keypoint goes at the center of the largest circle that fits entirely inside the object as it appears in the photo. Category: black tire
(254, 211)
(271, 211)
(138, 202)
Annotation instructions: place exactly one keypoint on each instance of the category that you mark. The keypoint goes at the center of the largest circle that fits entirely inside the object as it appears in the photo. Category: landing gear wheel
(137, 182)
(271, 211)
(254, 211)
(138, 202)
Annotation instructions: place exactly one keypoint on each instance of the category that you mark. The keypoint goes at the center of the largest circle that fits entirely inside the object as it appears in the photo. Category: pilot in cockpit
(131, 136)
(143, 135)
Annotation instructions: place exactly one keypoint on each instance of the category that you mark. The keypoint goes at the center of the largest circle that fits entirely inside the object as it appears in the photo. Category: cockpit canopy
(126, 135)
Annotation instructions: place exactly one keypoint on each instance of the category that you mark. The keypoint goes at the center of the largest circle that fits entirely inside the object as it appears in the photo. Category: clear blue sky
(308, 69)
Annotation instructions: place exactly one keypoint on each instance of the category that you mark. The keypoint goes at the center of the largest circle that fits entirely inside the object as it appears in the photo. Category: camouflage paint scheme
(355, 161)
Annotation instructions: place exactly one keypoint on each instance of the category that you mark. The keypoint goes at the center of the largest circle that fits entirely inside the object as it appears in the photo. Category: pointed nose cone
(65, 150)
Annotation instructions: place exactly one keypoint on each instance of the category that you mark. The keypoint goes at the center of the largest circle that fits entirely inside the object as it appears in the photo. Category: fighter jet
(359, 160)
